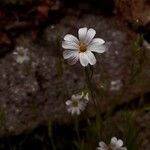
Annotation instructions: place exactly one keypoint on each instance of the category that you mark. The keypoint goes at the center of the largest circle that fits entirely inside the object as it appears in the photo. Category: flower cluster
(115, 144)
(77, 103)
(22, 54)
(81, 49)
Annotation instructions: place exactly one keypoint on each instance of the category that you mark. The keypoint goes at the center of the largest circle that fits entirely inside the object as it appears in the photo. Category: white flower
(77, 103)
(115, 144)
(21, 54)
(81, 49)
(115, 85)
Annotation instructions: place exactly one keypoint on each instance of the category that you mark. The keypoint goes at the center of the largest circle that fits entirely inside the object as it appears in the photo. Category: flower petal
(102, 144)
(74, 58)
(90, 35)
(69, 53)
(113, 141)
(68, 102)
(78, 112)
(97, 48)
(73, 97)
(83, 59)
(82, 107)
(20, 60)
(91, 58)
(77, 97)
(74, 110)
(119, 143)
(82, 34)
(71, 38)
(97, 41)
(70, 45)
(69, 109)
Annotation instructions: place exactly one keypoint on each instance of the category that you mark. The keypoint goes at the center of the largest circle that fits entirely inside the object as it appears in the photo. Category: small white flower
(146, 45)
(115, 144)
(21, 54)
(81, 49)
(115, 85)
(77, 103)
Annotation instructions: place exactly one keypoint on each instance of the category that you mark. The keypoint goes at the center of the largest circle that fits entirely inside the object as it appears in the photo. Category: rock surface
(134, 10)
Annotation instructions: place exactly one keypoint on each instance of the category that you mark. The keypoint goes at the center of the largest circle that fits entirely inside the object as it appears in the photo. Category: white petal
(20, 60)
(73, 59)
(91, 58)
(113, 140)
(73, 97)
(69, 53)
(82, 108)
(71, 38)
(78, 112)
(97, 48)
(83, 59)
(82, 34)
(74, 111)
(69, 109)
(102, 144)
(119, 143)
(15, 53)
(90, 35)
(97, 41)
(70, 45)
(68, 102)
(77, 97)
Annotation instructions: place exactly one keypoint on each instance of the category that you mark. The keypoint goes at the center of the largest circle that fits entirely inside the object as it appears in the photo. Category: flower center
(83, 47)
(21, 54)
(75, 103)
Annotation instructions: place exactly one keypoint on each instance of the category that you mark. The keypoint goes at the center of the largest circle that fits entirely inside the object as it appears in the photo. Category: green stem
(50, 134)
(91, 69)
(77, 128)
(88, 82)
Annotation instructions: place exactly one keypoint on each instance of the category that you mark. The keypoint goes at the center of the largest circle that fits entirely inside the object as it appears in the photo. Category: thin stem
(88, 81)
(91, 69)
(96, 103)
(77, 128)
(79, 143)
(50, 134)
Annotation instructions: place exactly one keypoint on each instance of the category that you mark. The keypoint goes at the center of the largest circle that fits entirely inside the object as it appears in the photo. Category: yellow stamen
(75, 103)
(83, 47)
